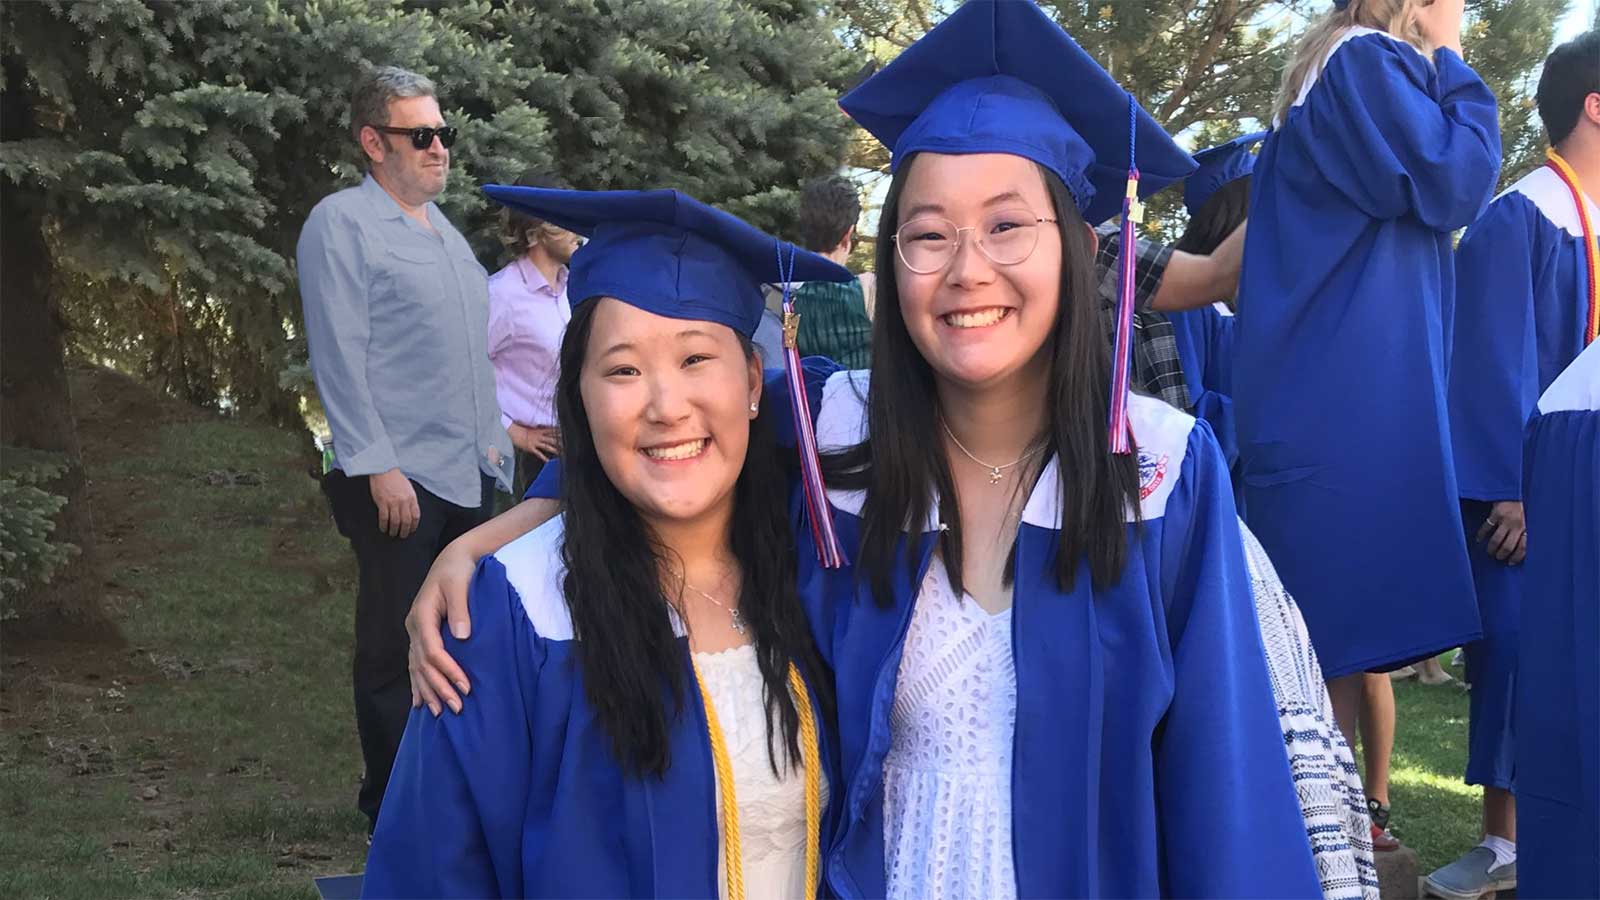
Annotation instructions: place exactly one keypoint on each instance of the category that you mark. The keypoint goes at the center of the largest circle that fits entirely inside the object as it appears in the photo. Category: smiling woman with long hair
(649, 714)
(1049, 673)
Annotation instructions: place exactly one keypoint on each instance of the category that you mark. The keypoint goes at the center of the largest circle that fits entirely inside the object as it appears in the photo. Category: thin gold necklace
(738, 617)
(995, 472)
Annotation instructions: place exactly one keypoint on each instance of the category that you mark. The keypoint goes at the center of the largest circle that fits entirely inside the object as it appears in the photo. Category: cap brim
(753, 249)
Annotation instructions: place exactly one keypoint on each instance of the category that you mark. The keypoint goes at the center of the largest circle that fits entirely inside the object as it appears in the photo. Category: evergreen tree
(159, 159)
(1506, 41)
(733, 102)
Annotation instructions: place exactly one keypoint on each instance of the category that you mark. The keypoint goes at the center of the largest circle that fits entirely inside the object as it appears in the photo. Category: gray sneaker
(1471, 876)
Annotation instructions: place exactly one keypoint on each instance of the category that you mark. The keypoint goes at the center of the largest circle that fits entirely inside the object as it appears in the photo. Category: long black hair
(902, 458)
(626, 648)
(1224, 211)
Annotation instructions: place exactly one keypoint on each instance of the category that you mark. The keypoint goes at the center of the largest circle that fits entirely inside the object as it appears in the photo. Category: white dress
(772, 810)
(947, 776)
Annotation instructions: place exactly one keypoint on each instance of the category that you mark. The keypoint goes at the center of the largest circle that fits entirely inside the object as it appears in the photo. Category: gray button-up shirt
(397, 321)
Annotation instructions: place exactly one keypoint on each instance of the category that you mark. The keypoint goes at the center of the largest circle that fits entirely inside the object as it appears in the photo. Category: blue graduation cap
(1218, 166)
(669, 254)
(1000, 76)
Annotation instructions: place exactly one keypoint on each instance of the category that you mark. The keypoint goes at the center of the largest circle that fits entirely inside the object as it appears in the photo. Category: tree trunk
(35, 403)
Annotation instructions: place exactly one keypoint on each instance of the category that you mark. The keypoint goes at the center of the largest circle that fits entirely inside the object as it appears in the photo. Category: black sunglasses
(422, 138)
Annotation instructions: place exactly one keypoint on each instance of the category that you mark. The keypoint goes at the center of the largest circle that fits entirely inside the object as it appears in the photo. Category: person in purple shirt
(528, 313)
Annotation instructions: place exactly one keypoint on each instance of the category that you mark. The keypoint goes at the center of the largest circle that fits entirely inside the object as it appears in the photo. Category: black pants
(528, 468)
(391, 571)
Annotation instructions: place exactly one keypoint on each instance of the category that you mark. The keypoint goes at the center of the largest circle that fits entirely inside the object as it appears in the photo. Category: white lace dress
(947, 776)
(772, 811)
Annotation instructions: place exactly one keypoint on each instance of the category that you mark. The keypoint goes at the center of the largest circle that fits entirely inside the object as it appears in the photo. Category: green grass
(1434, 811)
(232, 696)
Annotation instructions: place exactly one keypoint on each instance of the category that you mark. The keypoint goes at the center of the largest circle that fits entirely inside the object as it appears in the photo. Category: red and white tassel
(819, 515)
(1119, 429)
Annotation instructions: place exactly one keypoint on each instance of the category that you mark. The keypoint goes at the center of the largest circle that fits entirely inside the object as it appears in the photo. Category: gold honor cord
(810, 758)
(1591, 253)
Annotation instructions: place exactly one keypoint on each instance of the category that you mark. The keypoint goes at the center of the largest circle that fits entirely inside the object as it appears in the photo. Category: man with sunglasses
(396, 311)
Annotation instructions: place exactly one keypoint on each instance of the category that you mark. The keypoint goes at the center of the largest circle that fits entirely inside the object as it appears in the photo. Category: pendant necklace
(735, 613)
(995, 472)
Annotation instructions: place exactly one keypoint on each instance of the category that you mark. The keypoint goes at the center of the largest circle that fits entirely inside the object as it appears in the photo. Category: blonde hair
(1397, 17)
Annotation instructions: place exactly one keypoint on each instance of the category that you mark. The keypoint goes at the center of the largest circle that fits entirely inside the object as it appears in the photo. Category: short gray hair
(375, 88)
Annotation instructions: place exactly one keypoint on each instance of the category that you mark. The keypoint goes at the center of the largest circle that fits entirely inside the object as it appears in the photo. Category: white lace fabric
(947, 776)
(772, 810)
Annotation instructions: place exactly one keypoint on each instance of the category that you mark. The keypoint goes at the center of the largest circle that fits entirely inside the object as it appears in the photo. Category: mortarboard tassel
(1122, 348)
(818, 513)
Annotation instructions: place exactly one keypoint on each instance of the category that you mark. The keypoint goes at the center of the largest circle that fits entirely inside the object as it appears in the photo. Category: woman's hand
(435, 677)
(1440, 23)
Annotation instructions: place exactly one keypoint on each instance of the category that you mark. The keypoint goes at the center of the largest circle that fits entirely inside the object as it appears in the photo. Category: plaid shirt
(834, 323)
(1157, 370)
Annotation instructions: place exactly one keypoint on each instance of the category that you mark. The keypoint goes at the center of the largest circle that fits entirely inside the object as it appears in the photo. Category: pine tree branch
(1219, 25)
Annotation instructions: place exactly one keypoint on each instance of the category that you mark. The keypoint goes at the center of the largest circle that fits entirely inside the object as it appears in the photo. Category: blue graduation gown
(1146, 731)
(1521, 310)
(520, 795)
(1123, 786)
(1558, 684)
(1205, 349)
(1341, 348)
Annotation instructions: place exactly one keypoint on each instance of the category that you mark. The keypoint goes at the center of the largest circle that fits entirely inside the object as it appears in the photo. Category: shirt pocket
(411, 272)
(412, 288)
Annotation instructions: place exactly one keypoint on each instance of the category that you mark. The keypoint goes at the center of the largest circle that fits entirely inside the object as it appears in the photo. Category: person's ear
(757, 382)
(372, 144)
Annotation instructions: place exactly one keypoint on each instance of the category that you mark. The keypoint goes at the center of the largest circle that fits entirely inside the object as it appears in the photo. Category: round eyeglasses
(926, 244)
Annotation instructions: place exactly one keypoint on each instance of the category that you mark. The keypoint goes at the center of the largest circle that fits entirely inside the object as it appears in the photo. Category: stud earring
(755, 408)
